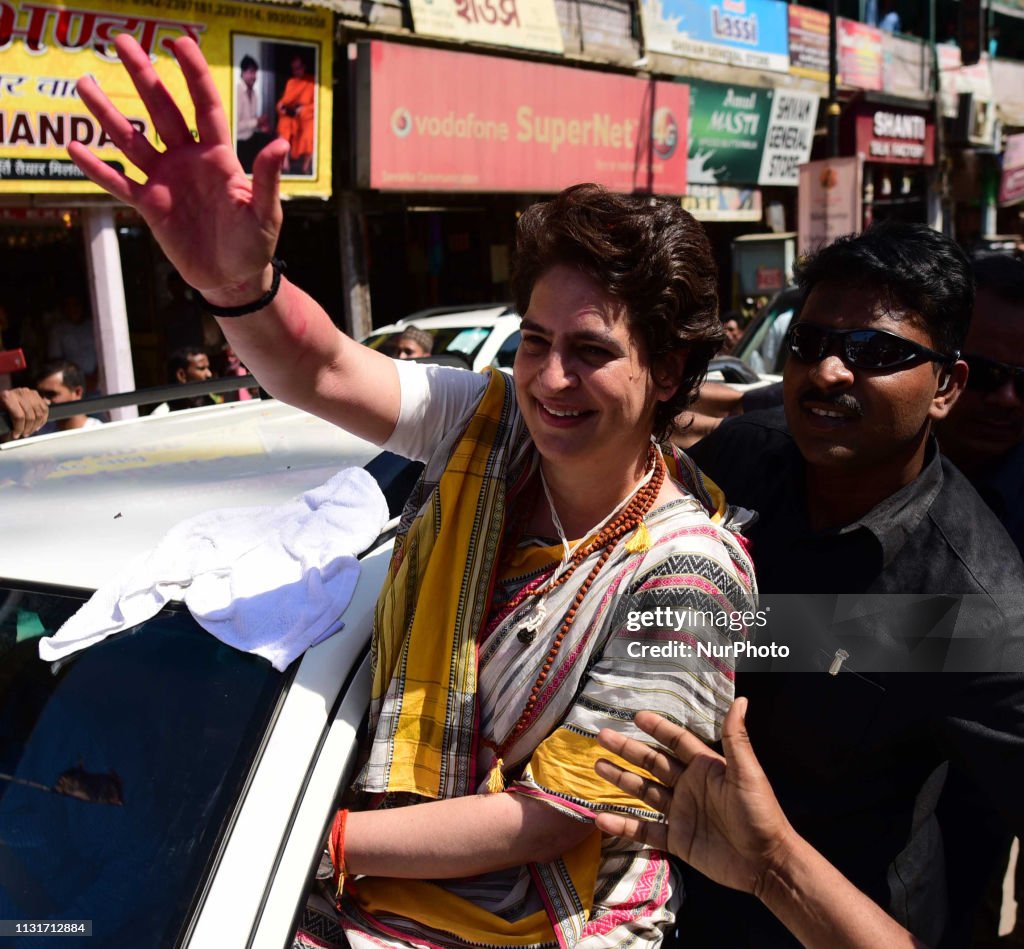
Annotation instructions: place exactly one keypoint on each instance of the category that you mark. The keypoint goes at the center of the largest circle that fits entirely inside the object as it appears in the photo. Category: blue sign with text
(751, 33)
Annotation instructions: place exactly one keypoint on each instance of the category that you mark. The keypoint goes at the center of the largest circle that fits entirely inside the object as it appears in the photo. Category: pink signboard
(829, 201)
(431, 120)
(1011, 183)
(860, 54)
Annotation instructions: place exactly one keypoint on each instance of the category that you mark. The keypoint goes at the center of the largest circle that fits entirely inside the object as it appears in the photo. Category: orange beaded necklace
(629, 519)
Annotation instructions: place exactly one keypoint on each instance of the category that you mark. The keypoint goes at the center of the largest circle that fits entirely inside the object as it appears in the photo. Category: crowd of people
(59, 381)
(542, 765)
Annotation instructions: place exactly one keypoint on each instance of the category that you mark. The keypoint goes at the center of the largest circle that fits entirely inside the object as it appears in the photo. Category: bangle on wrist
(336, 848)
(278, 266)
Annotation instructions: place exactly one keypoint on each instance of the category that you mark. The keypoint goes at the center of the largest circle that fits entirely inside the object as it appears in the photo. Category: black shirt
(858, 759)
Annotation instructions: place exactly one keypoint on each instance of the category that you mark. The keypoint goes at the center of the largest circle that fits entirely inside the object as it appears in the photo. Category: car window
(119, 773)
(463, 340)
(765, 353)
(761, 345)
(506, 355)
(469, 340)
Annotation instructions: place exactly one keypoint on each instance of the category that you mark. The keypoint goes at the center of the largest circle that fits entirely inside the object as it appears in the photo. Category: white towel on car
(267, 580)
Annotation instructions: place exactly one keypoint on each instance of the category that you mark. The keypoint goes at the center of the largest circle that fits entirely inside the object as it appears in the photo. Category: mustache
(841, 400)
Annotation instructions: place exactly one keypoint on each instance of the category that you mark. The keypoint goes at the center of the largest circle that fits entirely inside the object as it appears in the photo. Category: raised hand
(216, 227)
(723, 817)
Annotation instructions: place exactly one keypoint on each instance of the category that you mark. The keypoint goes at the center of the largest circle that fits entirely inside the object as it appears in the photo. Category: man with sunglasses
(984, 433)
(984, 436)
(854, 498)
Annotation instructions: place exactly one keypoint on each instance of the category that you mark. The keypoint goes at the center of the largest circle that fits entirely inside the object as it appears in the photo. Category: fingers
(655, 762)
(266, 182)
(27, 411)
(166, 116)
(682, 743)
(124, 135)
(121, 187)
(650, 792)
(739, 752)
(211, 120)
(652, 833)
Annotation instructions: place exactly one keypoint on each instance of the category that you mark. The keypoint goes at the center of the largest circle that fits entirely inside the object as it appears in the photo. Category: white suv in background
(479, 336)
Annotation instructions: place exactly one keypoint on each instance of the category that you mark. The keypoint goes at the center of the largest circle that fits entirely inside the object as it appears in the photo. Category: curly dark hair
(914, 269)
(646, 252)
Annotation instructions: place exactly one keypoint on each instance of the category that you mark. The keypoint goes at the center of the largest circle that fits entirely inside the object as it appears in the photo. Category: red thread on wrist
(336, 849)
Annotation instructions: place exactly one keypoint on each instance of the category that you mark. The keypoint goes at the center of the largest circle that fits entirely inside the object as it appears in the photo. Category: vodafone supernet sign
(601, 130)
(462, 121)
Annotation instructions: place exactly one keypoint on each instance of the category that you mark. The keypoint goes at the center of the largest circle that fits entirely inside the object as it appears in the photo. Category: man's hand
(26, 409)
(216, 227)
(723, 817)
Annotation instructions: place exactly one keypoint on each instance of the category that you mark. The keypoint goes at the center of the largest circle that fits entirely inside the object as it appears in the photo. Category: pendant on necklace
(528, 631)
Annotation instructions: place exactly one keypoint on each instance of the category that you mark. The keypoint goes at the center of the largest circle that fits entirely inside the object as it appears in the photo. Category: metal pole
(110, 314)
(937, 184)
(833, 68)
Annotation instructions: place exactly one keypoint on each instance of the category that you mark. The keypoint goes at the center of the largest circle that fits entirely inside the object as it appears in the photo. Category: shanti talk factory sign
(285, 89)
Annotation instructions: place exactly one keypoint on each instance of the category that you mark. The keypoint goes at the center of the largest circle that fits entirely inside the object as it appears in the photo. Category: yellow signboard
(272, 66)
(528, 24)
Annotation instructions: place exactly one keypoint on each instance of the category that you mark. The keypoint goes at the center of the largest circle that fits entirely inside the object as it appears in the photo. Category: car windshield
(761, 347)
(120, 770)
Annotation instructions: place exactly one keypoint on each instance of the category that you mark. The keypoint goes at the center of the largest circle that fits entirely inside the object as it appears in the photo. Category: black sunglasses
(987, 375)
(862, 349)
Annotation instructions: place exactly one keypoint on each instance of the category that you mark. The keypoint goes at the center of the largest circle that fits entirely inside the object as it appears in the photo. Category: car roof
(435, 319)
(82, 504)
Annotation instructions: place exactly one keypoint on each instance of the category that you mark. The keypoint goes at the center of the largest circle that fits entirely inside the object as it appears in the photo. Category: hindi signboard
(527, 24)
(287, 90)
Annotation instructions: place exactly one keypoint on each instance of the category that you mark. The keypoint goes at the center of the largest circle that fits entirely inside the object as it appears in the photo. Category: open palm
(214, 225)
(723, 817)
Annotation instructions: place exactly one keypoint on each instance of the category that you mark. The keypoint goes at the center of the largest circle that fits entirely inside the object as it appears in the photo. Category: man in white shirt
(250, 123)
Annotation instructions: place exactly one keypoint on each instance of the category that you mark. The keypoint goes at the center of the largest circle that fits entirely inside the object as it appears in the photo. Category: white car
(169, 789)
(477, 336)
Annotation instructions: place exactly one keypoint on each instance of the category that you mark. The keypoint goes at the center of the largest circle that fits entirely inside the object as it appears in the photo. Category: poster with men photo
(276, 96)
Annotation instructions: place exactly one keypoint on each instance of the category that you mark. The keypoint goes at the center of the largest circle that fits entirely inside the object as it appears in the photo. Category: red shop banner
(895, 136)
(860, 54)
(430, 120)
